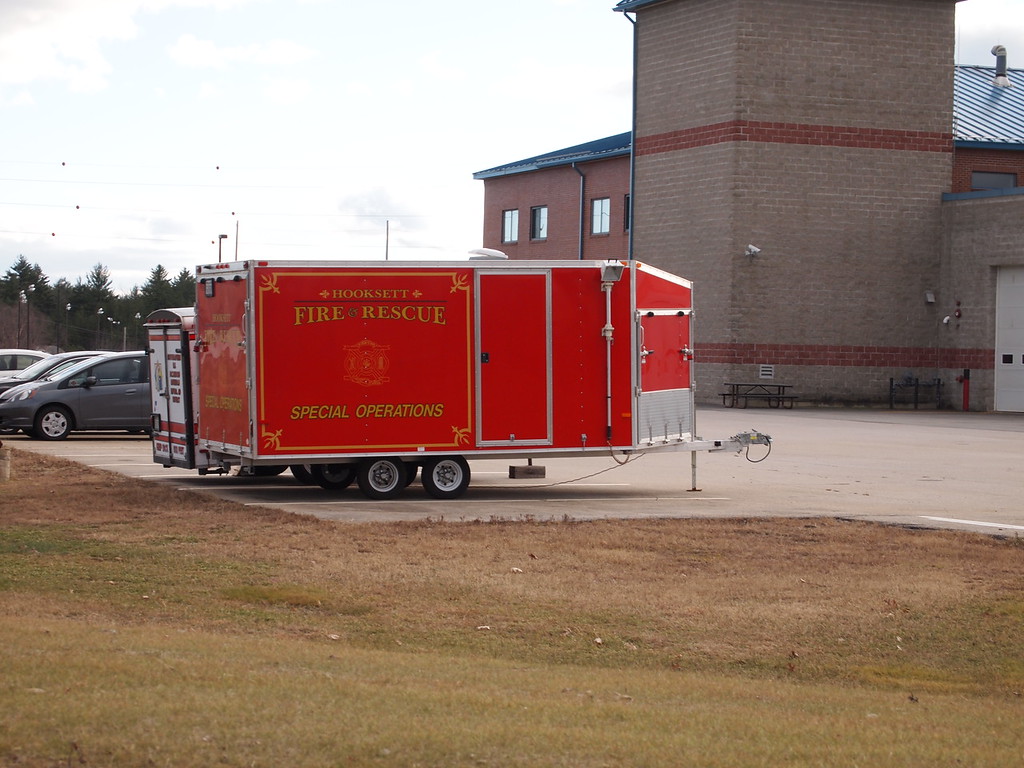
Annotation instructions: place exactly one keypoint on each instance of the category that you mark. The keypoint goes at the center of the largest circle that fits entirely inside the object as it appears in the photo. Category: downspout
(632, 141)
(583, 209)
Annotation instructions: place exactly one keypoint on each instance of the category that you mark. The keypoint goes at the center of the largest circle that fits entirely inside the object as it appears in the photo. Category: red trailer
(371, 371)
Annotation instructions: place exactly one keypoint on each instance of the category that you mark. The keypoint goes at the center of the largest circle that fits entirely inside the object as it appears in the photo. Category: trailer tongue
(372, 372)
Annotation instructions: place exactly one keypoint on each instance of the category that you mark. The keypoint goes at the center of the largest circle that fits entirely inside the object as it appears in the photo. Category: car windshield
(65, 365)
(33, 371)
(68, 368)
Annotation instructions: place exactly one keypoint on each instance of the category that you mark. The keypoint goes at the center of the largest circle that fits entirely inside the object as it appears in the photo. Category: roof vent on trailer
(486, 253)
(1001, 80)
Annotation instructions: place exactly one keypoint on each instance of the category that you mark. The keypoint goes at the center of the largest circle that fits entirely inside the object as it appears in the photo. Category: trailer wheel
(382, 479)
(446, 478)
(303, 473)
(333, 477)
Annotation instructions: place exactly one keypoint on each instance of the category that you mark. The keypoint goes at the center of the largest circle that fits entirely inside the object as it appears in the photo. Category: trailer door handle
(485, 357)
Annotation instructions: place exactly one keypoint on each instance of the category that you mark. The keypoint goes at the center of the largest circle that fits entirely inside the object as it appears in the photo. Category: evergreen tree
(184, 286)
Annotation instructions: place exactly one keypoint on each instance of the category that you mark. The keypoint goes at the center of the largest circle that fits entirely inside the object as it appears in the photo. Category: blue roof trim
(984, 114)
(600, 149)
(1010, 192)
(632, 5)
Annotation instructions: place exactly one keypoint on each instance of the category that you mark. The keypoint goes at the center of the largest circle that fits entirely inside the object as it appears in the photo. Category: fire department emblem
(366, 363)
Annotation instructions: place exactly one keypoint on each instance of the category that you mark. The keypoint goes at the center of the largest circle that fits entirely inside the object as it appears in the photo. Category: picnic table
(739, 393)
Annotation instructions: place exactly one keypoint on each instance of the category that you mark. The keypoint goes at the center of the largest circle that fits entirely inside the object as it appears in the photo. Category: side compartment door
(173, 425)
(664, 362)
(513, 357)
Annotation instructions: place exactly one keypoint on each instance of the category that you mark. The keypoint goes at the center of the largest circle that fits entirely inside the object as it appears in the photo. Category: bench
(739, 394)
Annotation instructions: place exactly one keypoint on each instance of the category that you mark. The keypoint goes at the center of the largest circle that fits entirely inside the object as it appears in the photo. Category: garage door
(1010, 339)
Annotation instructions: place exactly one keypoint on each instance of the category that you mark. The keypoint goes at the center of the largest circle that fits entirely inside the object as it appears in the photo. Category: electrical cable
(629, 459)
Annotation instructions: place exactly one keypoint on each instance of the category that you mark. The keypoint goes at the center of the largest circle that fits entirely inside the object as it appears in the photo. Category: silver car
(103, 393)
(14, 360)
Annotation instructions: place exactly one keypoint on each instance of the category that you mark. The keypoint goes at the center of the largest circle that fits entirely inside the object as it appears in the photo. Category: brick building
(886, 212)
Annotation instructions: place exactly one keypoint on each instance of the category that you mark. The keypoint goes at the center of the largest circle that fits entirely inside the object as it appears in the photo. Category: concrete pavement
(925, 468)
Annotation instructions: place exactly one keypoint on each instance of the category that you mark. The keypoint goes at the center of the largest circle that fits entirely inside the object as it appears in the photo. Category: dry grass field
(142, 626)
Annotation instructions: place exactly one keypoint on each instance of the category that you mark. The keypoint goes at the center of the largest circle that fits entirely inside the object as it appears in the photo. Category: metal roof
(601, 149)
(986, 115)
(632, 5)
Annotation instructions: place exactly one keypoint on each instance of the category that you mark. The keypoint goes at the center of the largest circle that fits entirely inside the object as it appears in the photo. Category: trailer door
(171, 387)
(665, 400)
(513, 357)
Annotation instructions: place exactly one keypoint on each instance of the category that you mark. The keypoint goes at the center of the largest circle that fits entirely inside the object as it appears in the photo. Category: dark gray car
(103, 393)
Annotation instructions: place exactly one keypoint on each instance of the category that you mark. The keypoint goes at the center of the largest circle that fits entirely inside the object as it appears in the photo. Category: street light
(99, 314)
(22, 301)
(67, 324)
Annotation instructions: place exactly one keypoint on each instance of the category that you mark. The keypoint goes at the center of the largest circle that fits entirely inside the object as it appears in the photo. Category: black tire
(303, 473)
(52, 422)
(412, 468)
(333, 477)
(446, 477)
(382, 479)
(269, 471)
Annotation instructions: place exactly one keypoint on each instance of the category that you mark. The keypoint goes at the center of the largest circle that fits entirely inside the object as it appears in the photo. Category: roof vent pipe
(1001, 80)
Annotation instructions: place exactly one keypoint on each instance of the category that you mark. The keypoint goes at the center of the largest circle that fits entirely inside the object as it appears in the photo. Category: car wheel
(52, 423)
(382, 479)
(446, 477)
(333, 477)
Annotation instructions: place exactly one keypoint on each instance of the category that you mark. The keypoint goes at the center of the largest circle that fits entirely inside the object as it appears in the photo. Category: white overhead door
(1010, 339)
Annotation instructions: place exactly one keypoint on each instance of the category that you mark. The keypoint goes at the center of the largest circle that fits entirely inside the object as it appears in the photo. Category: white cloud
(60, 40)
(286, 91)
(190, 51)
(982, 24)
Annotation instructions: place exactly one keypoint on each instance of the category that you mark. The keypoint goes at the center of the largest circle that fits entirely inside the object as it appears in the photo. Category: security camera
(753, 250)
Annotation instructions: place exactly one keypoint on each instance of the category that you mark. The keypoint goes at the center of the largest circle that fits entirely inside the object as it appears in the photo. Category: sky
(135, 132)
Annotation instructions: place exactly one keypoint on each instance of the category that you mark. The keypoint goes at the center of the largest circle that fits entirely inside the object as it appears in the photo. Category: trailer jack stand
(529, 471)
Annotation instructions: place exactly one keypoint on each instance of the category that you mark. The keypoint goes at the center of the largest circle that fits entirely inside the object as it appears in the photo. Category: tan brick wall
(820, 132)
(981, 235)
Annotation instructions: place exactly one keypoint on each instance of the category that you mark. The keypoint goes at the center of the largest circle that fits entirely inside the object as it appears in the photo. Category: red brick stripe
(794, 133)
(839, 355)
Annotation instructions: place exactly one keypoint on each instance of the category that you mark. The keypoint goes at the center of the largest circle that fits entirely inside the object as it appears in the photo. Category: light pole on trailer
(220, 244)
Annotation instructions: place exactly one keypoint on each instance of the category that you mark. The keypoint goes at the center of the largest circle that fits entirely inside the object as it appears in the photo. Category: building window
(626, 213)
(510, 226)
(539, 223)
(990, 180)
(600, 216)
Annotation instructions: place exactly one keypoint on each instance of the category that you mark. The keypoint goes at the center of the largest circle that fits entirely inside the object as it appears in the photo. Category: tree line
(36, 313)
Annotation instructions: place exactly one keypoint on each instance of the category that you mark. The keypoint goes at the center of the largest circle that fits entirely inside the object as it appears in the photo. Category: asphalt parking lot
(914, 468)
